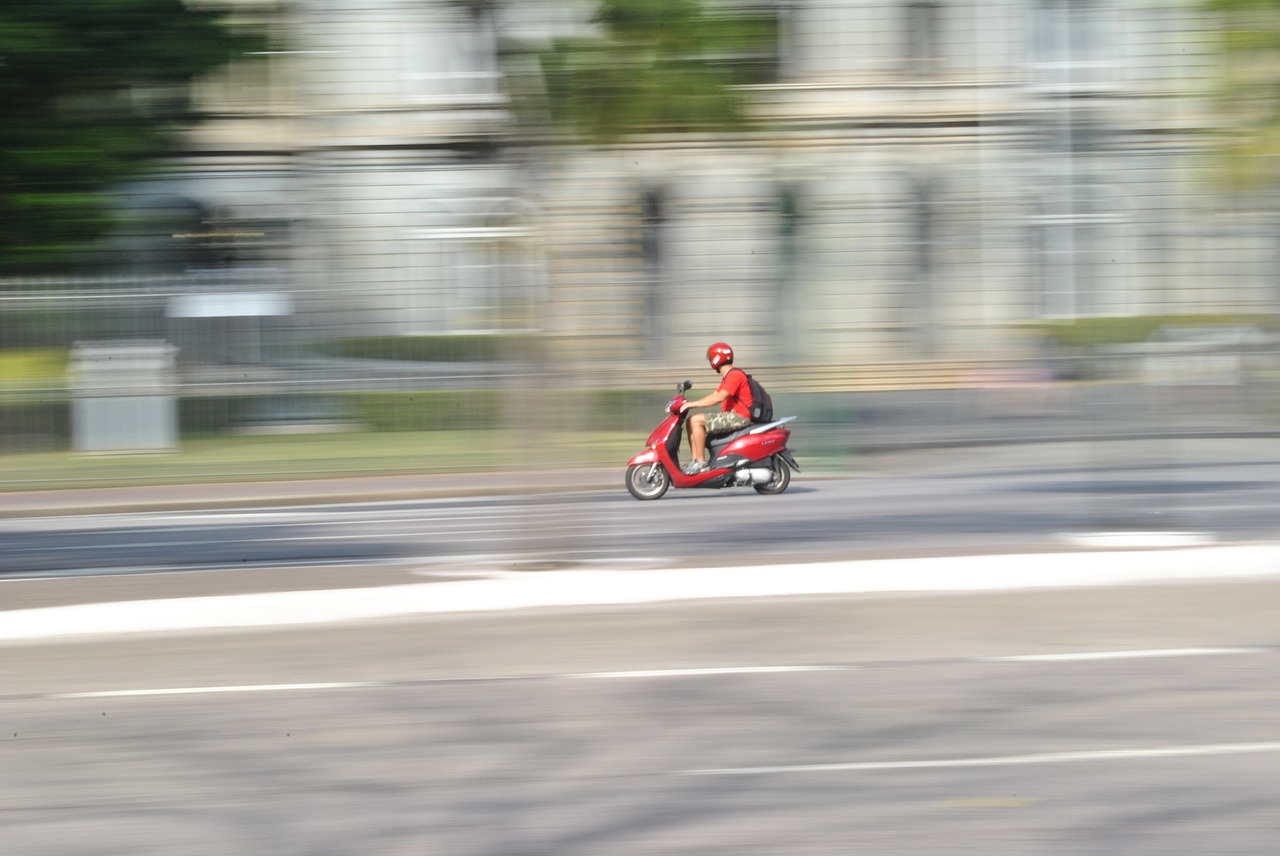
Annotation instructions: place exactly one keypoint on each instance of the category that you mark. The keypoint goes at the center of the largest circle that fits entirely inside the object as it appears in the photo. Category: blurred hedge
(212, 415)
(482, 409)
(434, 410)
(461, 348)
(1128, 330)
(31, 425)
(374, 411)
(60, 328)
(49, 423)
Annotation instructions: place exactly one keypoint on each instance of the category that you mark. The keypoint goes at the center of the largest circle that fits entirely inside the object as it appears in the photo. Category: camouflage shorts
(725, 422)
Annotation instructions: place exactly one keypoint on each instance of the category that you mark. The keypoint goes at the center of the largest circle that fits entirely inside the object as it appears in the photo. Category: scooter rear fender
(759, 446)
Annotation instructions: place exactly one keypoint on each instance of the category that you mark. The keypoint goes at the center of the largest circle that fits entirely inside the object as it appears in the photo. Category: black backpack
(761, 404)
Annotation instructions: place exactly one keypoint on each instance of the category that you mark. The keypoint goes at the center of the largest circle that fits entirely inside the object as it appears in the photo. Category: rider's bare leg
(698, 436)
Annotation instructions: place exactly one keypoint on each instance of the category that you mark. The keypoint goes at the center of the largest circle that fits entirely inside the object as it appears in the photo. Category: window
(922, 50)
(1070, 47)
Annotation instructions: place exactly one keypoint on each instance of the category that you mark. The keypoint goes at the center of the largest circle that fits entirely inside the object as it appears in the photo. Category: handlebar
(673, 406)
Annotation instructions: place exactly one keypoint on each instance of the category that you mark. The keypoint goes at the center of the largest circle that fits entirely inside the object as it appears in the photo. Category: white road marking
(150, 523)
(1123, 655)
(1003, 760)
(364, 535)
(735, 670)
(259, 688)
(710, 671)
(366, 532)
(1146, 540)
(250, 688)
(615, 587)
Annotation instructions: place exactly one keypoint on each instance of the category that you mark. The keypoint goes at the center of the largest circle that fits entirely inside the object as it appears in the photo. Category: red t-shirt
(739, 400)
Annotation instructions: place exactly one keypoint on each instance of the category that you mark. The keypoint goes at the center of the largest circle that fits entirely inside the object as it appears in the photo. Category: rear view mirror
(686, 386)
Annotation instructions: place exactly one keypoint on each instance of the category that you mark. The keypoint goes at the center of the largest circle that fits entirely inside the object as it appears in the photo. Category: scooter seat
(720, 442)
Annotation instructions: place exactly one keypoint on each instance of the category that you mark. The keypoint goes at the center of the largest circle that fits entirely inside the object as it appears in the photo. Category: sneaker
(694, 467)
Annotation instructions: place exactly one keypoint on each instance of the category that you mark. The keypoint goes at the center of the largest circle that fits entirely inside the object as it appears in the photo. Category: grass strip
(312, 456)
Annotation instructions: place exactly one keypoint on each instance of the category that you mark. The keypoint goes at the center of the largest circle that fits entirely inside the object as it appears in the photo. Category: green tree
(1250, 94)
(91, 92)
(659, 66)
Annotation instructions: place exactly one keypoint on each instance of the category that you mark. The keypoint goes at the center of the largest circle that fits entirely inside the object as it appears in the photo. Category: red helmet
(719, 354)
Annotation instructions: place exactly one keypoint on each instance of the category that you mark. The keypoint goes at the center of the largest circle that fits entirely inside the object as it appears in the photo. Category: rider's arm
(708, 400)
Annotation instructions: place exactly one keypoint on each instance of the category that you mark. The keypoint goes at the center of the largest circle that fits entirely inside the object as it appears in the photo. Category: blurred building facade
(926, 175)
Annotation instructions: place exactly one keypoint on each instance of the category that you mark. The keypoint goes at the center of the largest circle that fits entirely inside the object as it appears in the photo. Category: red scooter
(756, 456)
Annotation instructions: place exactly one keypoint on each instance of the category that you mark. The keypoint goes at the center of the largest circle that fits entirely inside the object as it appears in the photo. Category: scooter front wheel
(781, 477)
(647, 481)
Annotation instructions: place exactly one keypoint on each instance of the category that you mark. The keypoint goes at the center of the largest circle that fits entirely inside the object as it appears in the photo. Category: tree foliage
(91, 91)
(1249, 41)
(658, 66)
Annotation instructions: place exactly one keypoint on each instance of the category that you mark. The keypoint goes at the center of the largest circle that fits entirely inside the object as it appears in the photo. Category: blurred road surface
(969, 504)
(1118, 720)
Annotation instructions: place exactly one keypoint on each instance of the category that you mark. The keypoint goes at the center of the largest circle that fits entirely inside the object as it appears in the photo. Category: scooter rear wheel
(781, 477)
(647, 481)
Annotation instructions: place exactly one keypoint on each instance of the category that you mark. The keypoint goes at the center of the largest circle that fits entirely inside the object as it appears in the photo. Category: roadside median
(249, 494)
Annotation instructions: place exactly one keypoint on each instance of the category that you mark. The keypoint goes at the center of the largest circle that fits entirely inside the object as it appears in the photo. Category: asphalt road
(1117, 720)
(978, 509)
(1122, 721)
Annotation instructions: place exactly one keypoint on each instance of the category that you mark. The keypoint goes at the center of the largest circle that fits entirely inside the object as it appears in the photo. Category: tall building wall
(928, 177)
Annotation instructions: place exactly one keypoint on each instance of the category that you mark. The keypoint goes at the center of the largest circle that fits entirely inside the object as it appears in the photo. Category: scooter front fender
(648, 456)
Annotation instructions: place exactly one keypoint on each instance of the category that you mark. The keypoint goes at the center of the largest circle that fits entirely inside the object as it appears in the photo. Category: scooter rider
(734, 397)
